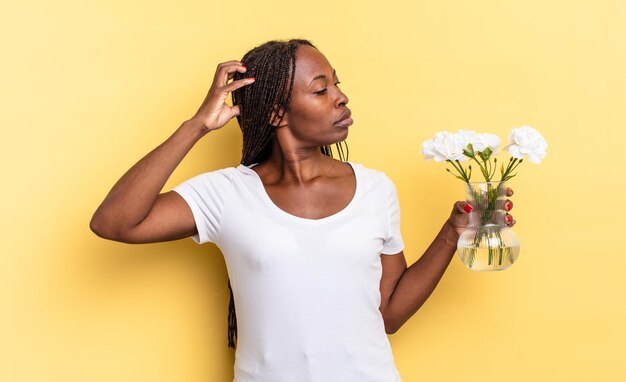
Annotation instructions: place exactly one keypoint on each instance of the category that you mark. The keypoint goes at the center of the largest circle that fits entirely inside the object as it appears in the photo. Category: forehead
(310, 63)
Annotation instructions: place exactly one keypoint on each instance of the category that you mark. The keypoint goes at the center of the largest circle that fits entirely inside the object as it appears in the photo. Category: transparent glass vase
(488, 244)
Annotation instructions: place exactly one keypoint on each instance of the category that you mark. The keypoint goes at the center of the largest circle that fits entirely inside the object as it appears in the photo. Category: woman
(302, 233)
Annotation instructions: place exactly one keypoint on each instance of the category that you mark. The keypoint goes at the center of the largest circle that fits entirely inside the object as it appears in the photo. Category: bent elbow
(390, 330)
(96, 226)
(114, 231)
(101, 228)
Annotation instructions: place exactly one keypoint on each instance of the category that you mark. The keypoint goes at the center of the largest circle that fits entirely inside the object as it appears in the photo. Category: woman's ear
(278, 117)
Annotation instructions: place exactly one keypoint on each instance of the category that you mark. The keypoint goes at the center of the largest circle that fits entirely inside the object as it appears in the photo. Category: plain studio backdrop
(88, 88)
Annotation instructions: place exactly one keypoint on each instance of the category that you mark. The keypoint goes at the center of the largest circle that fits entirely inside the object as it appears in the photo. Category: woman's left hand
(459, 218)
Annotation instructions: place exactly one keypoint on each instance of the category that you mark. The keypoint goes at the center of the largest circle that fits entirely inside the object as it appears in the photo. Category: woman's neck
(295, 165)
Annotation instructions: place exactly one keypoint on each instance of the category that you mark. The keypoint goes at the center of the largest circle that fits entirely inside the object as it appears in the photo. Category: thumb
(463, 207)
(234, 111)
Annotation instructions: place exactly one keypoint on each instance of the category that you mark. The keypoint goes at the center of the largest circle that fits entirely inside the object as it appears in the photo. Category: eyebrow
(320, 76)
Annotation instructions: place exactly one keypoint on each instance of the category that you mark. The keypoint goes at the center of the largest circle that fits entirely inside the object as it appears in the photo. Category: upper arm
(393, 268)
(169, 219)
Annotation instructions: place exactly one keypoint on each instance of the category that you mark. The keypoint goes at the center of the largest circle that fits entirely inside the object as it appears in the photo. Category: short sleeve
(393, 242)
(206, 195)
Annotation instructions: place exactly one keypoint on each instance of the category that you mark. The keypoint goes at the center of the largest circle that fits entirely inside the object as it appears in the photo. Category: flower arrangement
(486, 238)
(468, 145)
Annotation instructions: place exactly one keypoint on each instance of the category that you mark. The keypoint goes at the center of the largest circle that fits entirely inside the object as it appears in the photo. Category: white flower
(466, 137)
(479, 142)
(445, 146)
(526, 140)
(484, 141)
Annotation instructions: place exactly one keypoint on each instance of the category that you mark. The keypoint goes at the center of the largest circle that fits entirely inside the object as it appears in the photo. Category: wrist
(449, 235)
(195, 127)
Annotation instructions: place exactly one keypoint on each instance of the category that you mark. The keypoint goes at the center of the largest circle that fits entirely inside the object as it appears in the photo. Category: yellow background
(88, 88)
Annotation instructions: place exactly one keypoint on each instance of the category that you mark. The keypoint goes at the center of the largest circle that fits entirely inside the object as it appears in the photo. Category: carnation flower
(526, 140)
(464, 145)
(479, 142)
(487, 141)
(444, 147)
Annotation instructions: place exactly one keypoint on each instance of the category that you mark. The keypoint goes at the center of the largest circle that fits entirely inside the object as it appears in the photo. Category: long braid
(232, 319)
(273, 65)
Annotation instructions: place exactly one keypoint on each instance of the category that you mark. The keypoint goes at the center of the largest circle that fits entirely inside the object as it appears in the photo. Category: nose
(341, 99)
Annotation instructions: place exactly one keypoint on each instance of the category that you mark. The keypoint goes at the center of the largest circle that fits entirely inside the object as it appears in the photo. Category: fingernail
(508, 206)
(468, 208)
(508, 218)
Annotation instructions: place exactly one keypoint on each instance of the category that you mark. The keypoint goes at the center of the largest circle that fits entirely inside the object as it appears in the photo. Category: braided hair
(273, 65)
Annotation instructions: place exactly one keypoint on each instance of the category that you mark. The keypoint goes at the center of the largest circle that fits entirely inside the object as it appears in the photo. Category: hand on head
(214, 113)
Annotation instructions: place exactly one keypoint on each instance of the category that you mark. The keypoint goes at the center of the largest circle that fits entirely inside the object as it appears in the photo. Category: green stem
(482, 168)
(460, 170)
(495, 166)
(509, 169)
(488, 168)
(513, 168)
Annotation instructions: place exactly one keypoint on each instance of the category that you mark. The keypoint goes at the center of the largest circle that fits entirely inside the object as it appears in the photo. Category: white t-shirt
(306, 291)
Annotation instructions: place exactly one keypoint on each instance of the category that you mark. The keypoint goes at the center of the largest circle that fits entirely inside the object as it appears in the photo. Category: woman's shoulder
(225, 172)
(374, 179)
(370, 171)
(221, 177)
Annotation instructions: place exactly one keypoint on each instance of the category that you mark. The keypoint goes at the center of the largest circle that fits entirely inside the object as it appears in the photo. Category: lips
(345, 119)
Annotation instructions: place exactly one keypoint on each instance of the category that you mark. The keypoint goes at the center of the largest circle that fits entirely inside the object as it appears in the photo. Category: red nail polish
(507, 206)
(508, 218)
(468, 208)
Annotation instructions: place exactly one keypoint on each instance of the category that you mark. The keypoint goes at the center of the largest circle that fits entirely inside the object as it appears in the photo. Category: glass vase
(488, 244)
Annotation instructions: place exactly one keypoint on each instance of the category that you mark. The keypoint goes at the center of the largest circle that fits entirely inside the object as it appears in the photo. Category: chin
(333, 142)
(343, 135)
(340, 136)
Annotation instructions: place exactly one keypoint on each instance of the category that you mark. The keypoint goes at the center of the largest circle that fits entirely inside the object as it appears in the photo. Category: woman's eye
(321, 92)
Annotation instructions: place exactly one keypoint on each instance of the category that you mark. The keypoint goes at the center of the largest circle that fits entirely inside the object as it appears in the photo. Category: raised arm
(135, 211)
